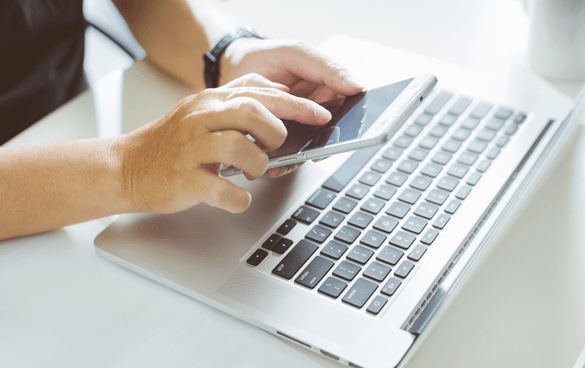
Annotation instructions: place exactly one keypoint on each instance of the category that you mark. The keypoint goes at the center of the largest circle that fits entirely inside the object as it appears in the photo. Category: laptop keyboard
(373, 220)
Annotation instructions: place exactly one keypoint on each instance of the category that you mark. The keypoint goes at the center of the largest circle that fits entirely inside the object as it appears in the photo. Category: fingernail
(354, 82)
(321, 112)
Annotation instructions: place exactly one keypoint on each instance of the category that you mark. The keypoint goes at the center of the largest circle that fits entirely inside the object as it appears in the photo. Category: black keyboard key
(453, 206)
(421, 182)
(429, 237)
(373, 205)
(417, 253)
(360, 220)
(257, 257)
(390, 255)
(437, 196)
(396, 178)
(345, 205)
(377, 271)
(402, 240)
(381, 165)
(314, 272)
(332, 287)
(447, 183)
(377, 304)
(347, 234)
(432, 170)
(347, 271)
(358, 191)
(458, 170)
(282, 246)
(407, 166)
(480, 110)
(410, 196)
(373, 238)
(343, 175)
(404, 269)
(369, 178)
(403, 142)
(459, 106)
(391, 286)
(386, 224)
(426, 210)
(334, 249)
(392, 153)
(398, 209)
(414, 224)
(359, 293)
(321, 198)
(360, 255)
(318, 233)
(441, 221)
(295, 259)
(494, 124)
(332, 219)
(385, 192)
(438, 102)
(306, 214)
(271, 241)
(286, 227)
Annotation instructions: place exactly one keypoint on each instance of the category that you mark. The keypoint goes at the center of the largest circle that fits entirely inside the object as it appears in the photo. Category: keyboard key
(414, 224)
(396, 178)
(461, 134)
(334, 249)
(257, 257)
(373, 205)
(358, 191)
(392, 153)
(447, 183)
(421, 182)
(463, 192)
(438, 102)
(492, 153)
(503, 113)
(438, 131)
(360, 219)
(473, 178)
(286, 227)
(480, 110)
(494, 124)
(306, 214)
(381, 165)
(403, 142)
(347, 234)
(459, 106)
(448, 120)
(391, 286)
(271, 241)
(417, 253)
(486, 135)
(344, 174)
(332, 219)
(314, 272)
(359, 293)
(386, 224)
(282, 246)
(360, 255)
(441, 221)
(428, 142)
(470, 123)
(332, 287)
(502, 140)
(477, 146)
(345, 205)
(377, 271)
(390, 255)
(437, 196)
(458, 170)
(404, 269)
(483, 166)
(423, 119)
(429, 236)
(410, 196)
(318, 234)
(407, 166)
(451, 146)
(413, 130)
(295, 259)
(418, 154)
(441, 158)
(453, 206)
(321, 198)
(402, 240)
(467, 158)
(431, 170)
(385, 192)
(347, 271)
(398, 209)
(369, 178)
(426, 210)
(519, 118)
(511, 129)
(377, 304)
(373, 239)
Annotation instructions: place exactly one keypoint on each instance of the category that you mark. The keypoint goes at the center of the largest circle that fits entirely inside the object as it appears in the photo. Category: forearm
(46, 187)
(176, 33)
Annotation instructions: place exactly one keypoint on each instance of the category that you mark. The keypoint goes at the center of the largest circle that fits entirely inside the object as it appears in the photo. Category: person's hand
(173, 163)
(306, 72)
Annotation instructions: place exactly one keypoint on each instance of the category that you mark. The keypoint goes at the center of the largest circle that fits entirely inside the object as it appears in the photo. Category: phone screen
(352, 116)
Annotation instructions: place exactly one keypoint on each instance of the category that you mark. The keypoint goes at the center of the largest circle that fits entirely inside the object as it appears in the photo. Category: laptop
(352, 257)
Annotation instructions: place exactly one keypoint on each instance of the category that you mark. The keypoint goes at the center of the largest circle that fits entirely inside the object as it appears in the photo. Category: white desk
(62, 305)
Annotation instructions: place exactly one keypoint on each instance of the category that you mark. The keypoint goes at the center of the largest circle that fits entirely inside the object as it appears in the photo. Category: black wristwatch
(211, 58)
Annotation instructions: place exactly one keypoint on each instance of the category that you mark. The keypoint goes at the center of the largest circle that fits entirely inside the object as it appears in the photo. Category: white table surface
(62, 305)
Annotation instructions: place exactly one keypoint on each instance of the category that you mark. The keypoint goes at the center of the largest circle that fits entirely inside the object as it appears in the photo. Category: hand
(173, 163)
(306, 72)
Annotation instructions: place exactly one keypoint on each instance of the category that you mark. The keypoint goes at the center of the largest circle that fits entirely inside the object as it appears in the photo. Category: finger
(283, 105)
(322, 94)
(283, 170)
(220, 193)
(256, 80)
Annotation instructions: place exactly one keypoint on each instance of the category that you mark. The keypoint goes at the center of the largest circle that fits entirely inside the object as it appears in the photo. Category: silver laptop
(353, 256)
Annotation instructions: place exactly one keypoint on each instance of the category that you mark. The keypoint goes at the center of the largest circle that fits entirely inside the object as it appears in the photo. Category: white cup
(557, 38)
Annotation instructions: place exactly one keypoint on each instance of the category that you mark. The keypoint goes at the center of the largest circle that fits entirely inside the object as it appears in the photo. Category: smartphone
(367, 119)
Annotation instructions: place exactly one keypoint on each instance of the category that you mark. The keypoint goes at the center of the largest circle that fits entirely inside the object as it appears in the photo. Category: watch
(211, 58)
